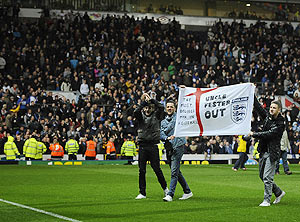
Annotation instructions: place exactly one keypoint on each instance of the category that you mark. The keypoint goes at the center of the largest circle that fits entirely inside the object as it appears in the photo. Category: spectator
(84, 88)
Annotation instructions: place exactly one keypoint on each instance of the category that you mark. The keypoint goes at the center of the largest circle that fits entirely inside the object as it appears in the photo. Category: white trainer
(278, 199)
(186, 196)
(140, 196)
(166, 191)
(168, 198)
(264, 204)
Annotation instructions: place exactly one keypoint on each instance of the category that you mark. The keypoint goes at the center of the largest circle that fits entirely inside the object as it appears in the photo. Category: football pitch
(107, 193)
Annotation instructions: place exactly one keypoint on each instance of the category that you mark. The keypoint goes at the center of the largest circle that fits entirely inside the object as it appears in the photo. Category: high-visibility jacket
(242, 145)
(10, 149)
(57, 150)
(161, 147)
(110, 147)
(41, 148)
(72, 146)
(128, 148)
(255, 151)
(90, 148)
(30, 148)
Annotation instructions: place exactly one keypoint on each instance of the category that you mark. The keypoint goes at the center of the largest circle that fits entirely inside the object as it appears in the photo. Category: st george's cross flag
(215, 111)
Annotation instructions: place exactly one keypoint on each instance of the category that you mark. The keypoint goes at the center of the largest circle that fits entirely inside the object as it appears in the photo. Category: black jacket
(149, 126)
(270, 136)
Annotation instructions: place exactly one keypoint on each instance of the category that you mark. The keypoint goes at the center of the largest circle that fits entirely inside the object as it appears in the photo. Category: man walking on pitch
(149, 115)
(269, 148)
(175, 148)
(285, 147)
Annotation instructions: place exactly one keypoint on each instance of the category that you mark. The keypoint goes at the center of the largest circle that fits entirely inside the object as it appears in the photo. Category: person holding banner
(269, 148)
(175, 149)
(149, 115)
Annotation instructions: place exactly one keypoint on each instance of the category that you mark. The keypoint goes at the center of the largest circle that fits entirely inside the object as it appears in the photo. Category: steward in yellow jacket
(10, 149)
(243, 157)
(41, 148)
(30, 148)
(128, 149)
(72, 148)
(161, 147)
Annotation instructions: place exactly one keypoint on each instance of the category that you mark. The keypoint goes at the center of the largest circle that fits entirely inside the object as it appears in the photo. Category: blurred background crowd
(112, 62)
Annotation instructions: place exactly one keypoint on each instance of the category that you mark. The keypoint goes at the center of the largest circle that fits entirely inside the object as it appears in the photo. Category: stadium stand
(111, 62)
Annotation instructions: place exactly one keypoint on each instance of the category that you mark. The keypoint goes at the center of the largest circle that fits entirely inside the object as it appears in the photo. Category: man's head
(55, 139)
(170, 107)
(275, 108)
(148, 109)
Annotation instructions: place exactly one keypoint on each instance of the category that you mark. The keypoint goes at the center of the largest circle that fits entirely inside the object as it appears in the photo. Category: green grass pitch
(107, 192)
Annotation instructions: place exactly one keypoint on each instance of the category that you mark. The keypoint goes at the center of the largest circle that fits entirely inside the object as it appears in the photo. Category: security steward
(41, 148)
(30, 148)
(128, 149)
(72, 148)
(111, 149)
(90, 152)
(57, 151)
(10, 149)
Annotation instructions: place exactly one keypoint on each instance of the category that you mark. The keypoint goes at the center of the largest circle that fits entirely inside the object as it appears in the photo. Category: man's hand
(145, 97)
(171, 137)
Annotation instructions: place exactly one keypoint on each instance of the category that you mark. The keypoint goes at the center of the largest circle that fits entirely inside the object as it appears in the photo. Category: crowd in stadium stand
(113, 61)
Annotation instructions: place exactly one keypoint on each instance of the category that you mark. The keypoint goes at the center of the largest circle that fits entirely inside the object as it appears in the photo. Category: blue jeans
(283, 155)
(176, 174)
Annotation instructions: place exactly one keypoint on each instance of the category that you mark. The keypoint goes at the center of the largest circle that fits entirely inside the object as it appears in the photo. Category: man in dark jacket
(269, 148)
(148, 116)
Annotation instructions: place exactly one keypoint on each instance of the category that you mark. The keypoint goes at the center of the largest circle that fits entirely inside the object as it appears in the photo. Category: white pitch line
(40, 211)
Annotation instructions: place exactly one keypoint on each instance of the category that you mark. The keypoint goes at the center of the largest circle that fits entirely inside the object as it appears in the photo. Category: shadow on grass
(186, 206)
(163, 210)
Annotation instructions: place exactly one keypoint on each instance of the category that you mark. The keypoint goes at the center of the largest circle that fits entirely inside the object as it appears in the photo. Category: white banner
(219, 111)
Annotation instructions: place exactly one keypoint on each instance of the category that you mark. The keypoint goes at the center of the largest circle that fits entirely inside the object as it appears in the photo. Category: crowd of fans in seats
(112, 62)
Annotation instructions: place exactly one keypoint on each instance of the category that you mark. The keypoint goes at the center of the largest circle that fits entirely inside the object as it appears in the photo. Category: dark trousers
(283, 156)
(56, 157)
(29, 158)
(72, 156)
(150, 153)
(129, 158)
(111, 156)
(90, 157)
(243, 157)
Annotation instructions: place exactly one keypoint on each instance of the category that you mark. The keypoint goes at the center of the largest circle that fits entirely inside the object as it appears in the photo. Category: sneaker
(186, 196)
(244, 168)
(278, 199)
(166, 191)
(288, 172)
(168, 198)
(264, 204)
(140, 196)
(234, 169)
(277, 173)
